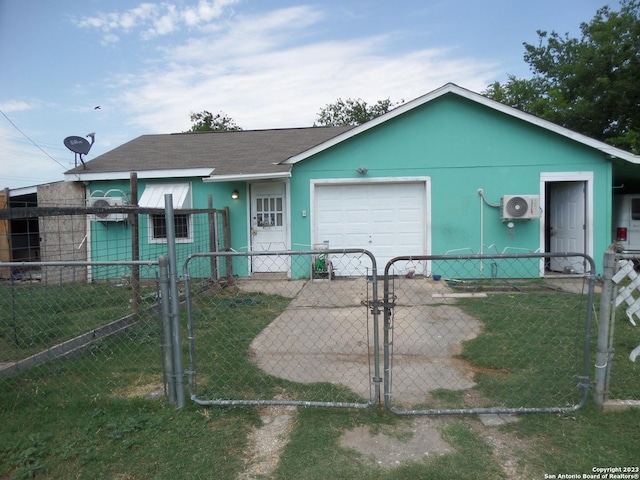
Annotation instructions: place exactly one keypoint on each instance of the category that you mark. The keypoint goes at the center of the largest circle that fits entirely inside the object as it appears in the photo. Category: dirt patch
(390, 446)
(408, 441)
(141, 389)
(509, 451)
(419, 438)
(267, 442)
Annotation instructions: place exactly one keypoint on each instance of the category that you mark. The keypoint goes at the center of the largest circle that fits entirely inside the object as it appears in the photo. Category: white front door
(268, 226)
(567, 222)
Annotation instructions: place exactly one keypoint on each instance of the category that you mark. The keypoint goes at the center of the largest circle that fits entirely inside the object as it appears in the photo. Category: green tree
(352, 112)
(207, 122)
(589, 84)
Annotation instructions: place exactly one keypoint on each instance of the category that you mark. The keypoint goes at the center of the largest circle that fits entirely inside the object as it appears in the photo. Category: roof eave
(244, 177)
(144, 174)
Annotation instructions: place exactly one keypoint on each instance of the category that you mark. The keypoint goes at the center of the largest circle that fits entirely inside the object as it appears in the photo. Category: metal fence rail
(486, 334)
(303, 338)
(102, 337)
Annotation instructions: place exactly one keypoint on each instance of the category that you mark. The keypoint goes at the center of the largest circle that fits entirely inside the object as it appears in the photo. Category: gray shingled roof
(230, 153)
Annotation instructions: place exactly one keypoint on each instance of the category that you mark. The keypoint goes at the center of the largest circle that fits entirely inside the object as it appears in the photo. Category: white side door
(567, 222)
(268, 226)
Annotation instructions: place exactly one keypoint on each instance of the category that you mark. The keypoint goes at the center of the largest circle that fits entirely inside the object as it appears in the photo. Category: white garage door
(387, 219)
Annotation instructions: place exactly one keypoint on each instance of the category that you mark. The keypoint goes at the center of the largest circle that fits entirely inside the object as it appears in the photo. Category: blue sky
(267, 64)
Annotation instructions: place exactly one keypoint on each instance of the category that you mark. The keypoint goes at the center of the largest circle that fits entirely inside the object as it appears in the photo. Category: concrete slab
(570, 284)
(620, 405)
(496, 420)
(326, 334)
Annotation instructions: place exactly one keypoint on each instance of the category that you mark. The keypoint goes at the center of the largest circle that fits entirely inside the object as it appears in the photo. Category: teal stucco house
(450, 172)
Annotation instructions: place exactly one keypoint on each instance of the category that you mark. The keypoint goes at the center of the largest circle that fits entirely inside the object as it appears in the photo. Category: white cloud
(154, 19)
(205, 11)
(15, 106)
(110, 39)
(263, 74)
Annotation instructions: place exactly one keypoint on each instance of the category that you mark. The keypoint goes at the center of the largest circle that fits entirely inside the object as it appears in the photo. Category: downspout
(480, 192)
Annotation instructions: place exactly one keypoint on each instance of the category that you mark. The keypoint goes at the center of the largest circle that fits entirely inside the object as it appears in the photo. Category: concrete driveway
(326, 335)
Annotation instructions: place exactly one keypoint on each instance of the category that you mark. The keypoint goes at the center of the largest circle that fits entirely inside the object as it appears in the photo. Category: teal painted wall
(111, 241)
(463, 146)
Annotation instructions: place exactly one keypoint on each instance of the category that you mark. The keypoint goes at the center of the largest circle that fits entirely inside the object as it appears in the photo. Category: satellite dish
(77, 145)
(80, 146)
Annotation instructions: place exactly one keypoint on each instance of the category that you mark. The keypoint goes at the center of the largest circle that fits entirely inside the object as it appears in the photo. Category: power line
(20, 139)
(29, 179)
(16, 152)
(27, 137)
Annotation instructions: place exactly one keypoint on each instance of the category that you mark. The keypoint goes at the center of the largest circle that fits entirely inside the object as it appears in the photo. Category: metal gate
(461, 334)
(487, 333)
(302, 338)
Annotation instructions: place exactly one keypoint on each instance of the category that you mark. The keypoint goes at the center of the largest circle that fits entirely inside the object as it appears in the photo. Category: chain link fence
(433, 335)
(63, 226)
(305, 339)
(80, 295)
(618, 347)
(95, 338)
(487, 334)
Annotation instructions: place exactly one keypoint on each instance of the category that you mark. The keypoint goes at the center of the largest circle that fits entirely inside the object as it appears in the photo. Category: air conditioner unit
(108, 202)
(520, 207)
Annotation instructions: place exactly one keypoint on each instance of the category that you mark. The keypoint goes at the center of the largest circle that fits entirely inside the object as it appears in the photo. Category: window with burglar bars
(182, 228)
(269, 212)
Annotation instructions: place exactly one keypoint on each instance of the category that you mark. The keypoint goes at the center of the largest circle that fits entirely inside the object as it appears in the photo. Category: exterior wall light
(235, 194)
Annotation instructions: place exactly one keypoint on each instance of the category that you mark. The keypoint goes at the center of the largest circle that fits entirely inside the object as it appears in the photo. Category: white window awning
(153, 195)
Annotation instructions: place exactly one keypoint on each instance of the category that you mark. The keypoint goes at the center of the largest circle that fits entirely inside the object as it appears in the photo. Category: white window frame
(186, 203)
(154, 239)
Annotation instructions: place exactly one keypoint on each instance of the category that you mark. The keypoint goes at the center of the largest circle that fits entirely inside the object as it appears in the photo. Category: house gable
(452, 89)
(462, 147)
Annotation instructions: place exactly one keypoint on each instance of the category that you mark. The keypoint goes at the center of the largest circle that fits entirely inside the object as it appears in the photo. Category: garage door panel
(387, 219)
(409, 239)
(409, 212)
(359, 217)
(384, 217)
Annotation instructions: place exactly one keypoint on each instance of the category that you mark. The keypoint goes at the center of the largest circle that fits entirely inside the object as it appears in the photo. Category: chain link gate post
(167, 338)
(607, 315)
(174, 301)
(375, 311)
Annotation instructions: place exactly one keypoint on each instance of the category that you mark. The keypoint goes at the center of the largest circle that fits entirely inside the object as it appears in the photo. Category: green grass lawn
(53, 426)
(530, 351)
(35, 317)
(226, 324)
